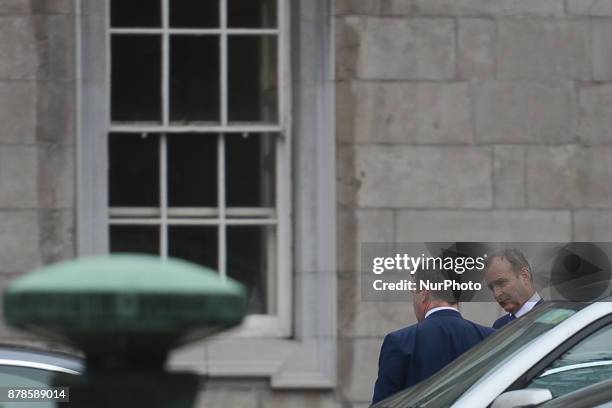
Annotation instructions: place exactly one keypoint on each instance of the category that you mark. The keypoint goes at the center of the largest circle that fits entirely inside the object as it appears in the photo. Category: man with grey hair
(509, 277)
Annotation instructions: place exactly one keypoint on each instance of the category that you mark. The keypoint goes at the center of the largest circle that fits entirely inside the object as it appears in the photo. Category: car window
(586, 363)
(25, 377)
(596, 395)
(473, 366)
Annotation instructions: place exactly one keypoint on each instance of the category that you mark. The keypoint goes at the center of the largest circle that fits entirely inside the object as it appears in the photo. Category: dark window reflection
(250, 170)
(252, 77)
(247, 262)
(134, 238)
(136, 13)
(194, 78)
(133, 170)
(195, 244)
(136, 78)
(251, 13)
(194, 13)
(192, 170)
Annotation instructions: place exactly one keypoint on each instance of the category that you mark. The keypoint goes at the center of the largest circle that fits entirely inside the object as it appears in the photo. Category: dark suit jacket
(507, 318)
(414, 353)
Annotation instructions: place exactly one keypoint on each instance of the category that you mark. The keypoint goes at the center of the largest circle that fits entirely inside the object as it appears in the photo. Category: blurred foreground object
(126, 312)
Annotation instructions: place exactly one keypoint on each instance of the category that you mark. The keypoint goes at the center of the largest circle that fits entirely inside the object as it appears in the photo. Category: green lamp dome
(134, 306)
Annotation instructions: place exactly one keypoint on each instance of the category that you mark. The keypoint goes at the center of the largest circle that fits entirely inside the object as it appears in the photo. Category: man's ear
(525, 274)
(426, 296)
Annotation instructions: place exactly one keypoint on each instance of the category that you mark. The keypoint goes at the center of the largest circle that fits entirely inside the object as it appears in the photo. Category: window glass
(135, 239)
(194, 13)
(194, 243)
(192, 170)
(250, 169)
(252, 77)
(588, 362)
(250, 260)
(195, 138)
(194, 78)
(24, 377)
(134, 170)
(251, 13)
(136, 13)
(136, 78)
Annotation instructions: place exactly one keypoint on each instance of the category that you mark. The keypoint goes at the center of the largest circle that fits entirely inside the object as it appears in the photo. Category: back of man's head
(438, 283)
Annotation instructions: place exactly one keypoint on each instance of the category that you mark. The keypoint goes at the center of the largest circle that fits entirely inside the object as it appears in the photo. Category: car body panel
(485, 391)
(41, 359)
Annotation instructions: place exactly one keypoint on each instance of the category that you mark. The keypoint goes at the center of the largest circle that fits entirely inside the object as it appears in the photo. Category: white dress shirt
(528, 305)
(435, 309)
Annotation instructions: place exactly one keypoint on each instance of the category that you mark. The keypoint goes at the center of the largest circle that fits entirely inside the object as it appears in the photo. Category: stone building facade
(455, 120)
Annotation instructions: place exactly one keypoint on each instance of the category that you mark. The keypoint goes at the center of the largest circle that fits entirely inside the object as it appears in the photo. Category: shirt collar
(435, 309)
(528, 305)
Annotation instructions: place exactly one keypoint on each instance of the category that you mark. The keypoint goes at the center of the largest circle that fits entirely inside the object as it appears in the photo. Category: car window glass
(24, 377)
(586, 363)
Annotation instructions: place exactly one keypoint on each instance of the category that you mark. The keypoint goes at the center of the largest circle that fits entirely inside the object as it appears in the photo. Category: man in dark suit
(509, 277)
(414, 353)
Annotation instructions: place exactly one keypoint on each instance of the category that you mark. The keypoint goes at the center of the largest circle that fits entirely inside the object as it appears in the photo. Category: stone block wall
(464, 120)
(37, 135)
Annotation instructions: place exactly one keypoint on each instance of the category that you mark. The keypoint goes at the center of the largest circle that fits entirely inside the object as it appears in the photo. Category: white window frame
(307, 359)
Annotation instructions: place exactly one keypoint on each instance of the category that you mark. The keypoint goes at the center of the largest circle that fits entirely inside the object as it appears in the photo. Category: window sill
(288, 363)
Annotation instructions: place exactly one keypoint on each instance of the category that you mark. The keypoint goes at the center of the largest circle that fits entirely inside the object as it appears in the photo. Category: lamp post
(125, 312)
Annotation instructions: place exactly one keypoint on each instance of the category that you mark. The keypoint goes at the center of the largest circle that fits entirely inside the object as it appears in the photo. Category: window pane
(251, 260)
(250, 169)
(192, 170)
(586, 363)
(136, 78)
(572, 380)
(251, 14)
(593, 348)
(252, 76)
(133, 170)
(135, 13)
(135, 239)
(194, 78)
(26, 377)
(195, 244)
(194, 13)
